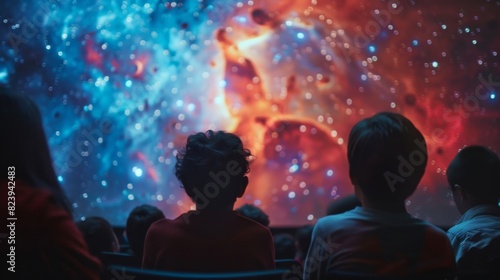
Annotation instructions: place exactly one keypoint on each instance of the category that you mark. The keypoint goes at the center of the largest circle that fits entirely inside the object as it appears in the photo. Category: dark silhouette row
(387, 157)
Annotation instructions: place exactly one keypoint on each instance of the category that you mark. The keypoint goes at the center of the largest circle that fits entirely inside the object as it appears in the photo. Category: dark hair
(477, 170)
(25, 147)
(284, 246)
(98, 234)
(303, 236)
(254, 213)
(138, 223)
(208, 154)
(387, 156)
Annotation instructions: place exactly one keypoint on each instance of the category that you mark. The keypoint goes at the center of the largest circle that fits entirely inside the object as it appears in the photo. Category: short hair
(98, 234)
(303, 237)
(387, 156)
(254, 213)
(26, 146)
(477, 170)
(207, 155)
(138, 223)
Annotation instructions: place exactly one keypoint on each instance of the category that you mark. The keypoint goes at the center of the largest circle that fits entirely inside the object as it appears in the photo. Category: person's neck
(387, 207)
(226, 208)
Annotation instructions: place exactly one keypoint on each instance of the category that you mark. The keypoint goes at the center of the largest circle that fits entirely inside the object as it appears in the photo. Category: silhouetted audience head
(474, 177)
(387, 157)
(212, 168)
(138, 223)
(99, 235)
(284, 246)
(255, 213)
(303, 241)
(48, 244)
(342, 205)
(25, 147)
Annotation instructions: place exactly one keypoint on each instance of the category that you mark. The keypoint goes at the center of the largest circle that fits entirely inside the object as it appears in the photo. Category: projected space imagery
(121, 84)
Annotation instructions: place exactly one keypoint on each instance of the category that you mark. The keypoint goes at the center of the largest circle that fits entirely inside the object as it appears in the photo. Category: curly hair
(210, 152)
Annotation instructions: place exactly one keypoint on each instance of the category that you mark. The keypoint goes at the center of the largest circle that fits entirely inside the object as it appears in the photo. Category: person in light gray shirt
(474, 178)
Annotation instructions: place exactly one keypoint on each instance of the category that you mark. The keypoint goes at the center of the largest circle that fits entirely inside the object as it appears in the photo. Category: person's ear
(244, 184)
(458, 190)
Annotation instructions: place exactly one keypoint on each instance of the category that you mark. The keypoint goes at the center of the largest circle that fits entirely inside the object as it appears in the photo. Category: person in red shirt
(40, 241)
(213, 238)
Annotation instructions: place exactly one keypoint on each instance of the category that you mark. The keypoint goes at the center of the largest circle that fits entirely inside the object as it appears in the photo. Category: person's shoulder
(181, 222)
(478, 225)
(161, 222)
(435, 229)
(431, 230)
(36, 203)
(348, 215)
(248, 224)
(32, 196)
(163, 226)
(336, 217)
(337, 222)
(458, 229)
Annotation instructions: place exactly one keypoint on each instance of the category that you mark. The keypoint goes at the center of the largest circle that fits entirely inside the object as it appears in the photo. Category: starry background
(121, 84)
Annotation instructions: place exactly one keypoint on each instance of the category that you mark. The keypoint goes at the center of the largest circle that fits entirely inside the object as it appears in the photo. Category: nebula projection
(121, 84)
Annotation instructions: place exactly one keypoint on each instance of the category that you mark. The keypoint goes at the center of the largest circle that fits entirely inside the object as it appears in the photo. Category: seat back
(123, 272)
(286, 263)
(344, 275)
(110, 258)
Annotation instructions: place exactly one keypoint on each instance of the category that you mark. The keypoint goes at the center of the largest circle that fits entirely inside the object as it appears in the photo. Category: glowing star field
(121, 84)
